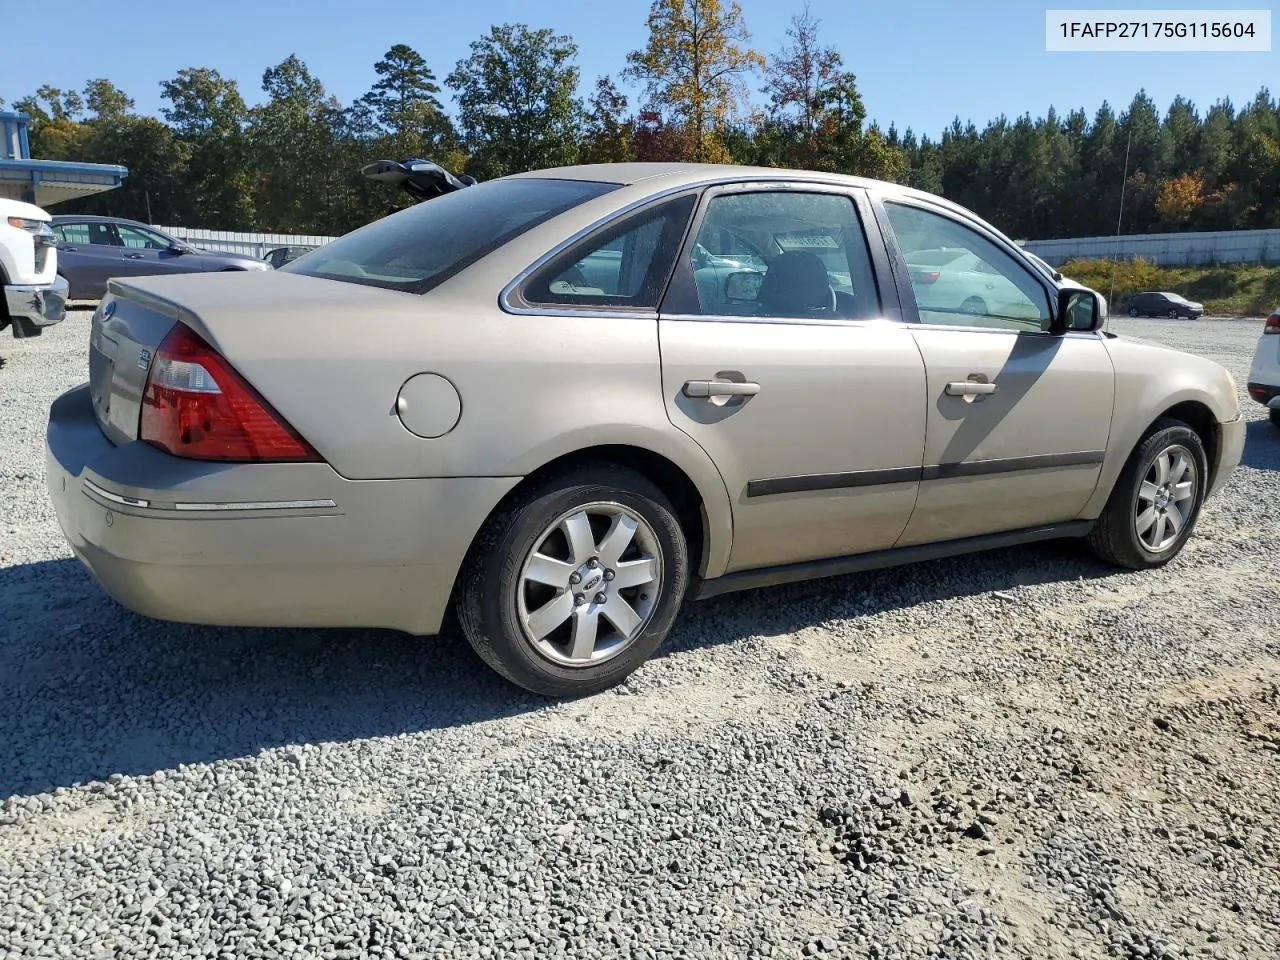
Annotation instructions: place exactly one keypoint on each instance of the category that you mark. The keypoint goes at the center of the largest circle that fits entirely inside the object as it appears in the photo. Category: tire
(1119, 537)
(1133, 311)
(1173, 314)
(1275, 416)
(499, 604)
(975, 306)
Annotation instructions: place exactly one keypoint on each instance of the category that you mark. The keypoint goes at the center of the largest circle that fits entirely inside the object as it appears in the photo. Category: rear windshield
(421, 247)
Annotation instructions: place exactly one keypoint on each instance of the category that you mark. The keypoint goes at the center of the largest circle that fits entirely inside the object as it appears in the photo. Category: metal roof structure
(46, 182)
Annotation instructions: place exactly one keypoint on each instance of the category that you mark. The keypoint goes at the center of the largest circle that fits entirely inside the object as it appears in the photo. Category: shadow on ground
(1262, 446)
(90, 689)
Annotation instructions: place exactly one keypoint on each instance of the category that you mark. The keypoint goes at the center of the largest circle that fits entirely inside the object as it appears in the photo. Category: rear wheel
(1173, 314)
(1275, 416)
(1156, 500)
(575, 585)
(974, 305)
(1133, 311)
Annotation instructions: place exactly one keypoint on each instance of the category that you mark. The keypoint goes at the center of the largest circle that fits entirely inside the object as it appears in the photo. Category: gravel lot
(1021, 754)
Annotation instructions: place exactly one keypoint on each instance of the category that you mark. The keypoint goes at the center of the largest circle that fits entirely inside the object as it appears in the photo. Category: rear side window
(625, 264)
(419, 248)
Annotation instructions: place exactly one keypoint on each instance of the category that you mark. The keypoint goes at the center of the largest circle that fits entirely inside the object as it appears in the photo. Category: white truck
(32, 295)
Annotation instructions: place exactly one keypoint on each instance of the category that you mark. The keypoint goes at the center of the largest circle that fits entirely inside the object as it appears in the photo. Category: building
(46, 182)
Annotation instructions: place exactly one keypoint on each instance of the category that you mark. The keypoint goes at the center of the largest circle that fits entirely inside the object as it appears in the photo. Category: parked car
(282, 255)
(32, 296)
(92, 250)
(563, 463)
(1264, 374)
(1169, 305)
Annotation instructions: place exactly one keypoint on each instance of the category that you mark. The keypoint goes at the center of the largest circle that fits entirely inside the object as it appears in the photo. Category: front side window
(419, 248)
(627, 264)
(960, 278)
(139, 239)
(783, 254)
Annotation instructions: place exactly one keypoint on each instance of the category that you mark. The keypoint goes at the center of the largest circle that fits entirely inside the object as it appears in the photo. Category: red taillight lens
(196, 406)
(1273, 323)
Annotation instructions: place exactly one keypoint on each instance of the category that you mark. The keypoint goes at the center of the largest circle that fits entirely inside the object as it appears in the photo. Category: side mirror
(743, 286)
(1079, 310)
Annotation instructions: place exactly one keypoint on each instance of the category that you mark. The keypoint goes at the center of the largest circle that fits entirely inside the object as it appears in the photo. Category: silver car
(561, 402)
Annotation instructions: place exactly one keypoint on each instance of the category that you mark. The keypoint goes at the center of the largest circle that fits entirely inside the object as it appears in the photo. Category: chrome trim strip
(115, 497)
(258, 505)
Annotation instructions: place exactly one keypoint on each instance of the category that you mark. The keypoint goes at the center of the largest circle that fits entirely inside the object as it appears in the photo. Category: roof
(674, 175)
(84, 218)
(46, 182)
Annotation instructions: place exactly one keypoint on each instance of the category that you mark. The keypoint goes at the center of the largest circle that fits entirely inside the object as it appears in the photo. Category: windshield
(419, 248)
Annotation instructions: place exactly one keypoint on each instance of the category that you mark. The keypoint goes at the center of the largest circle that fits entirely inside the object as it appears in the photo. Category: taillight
(926, 276)
(1273, 323)
(196, 406)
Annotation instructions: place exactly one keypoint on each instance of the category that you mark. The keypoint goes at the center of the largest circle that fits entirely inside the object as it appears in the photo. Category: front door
(778, 359)
(145, 253)
(1018, 416)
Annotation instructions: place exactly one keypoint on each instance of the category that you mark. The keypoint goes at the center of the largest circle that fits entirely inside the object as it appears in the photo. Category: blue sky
(918, 64)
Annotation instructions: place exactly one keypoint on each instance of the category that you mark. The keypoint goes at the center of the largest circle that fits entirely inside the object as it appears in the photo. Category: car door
(147, 253)
(808, 398)
(88, 256)
(1018, 415)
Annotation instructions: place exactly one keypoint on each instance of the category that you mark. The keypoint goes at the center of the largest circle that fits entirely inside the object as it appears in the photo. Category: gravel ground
(1021, 754)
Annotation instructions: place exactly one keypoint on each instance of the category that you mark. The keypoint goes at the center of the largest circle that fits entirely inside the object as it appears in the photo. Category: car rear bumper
(32, 307)
(1265, 394)
(289, 545)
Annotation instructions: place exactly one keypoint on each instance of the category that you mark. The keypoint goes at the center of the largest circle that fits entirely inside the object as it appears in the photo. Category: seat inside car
(796, 284)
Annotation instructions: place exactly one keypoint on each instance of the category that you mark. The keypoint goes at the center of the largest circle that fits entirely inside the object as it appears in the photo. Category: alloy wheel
(589, 585)
(1166, 498)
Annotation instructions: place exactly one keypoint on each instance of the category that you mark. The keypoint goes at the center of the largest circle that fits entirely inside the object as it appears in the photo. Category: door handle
(707, 389)
(970, 388)
(133, 256)
(67, 249)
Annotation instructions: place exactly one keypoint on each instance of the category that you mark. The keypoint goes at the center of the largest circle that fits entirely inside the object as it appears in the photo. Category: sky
(917, 64)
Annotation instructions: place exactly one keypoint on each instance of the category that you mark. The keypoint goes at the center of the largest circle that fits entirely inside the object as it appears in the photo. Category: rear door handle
(133, 256)
(970, 388)
(707, 389)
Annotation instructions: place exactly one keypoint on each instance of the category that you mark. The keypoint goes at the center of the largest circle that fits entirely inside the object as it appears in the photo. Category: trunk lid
(233, 312)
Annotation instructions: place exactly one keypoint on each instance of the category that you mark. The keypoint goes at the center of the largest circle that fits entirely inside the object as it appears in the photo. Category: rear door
(88, 256)
(1018, 416)
(782, 358)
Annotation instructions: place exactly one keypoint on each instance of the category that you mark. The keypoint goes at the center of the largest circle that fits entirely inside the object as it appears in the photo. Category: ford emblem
(109, 310)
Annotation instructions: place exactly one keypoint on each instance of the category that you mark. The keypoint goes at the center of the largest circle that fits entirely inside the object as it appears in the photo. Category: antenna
(1124, 179)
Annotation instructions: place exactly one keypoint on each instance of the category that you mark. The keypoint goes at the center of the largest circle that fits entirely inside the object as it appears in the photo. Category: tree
(106, 101)
(406, 86)
(693, 66)
(1180, 198)
(609, 132)
(803, 82)
(517, 102)
(208, 113)
(292, 145)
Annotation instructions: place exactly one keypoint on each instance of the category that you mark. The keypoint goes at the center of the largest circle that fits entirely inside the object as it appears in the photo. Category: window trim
(583, 242)
(511, 299)
(906, 292)
(682, 290)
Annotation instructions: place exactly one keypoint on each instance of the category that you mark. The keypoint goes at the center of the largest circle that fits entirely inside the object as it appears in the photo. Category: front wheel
(1156, 500)
(574, 585)
(1133, 311)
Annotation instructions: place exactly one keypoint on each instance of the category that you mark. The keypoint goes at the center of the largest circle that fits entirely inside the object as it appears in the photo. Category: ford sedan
(562, 402)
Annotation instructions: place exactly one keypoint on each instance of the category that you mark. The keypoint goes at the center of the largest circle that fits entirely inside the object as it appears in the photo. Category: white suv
(1264, 375)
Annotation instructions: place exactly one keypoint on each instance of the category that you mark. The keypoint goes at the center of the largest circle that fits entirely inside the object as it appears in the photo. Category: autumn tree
(1179, 198)
(694, 64)
(804, 85)
(517, 100)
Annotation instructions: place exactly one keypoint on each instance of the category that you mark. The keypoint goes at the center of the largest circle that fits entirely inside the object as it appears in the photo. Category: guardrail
(1166, 249)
